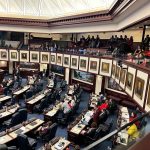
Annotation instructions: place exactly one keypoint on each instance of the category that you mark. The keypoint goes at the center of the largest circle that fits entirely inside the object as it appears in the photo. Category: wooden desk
(38, 122)
(25, 129)
(5, 139)
(51, 114)
(22, 90)
(5, 98)
(30, 104)
(66, 144)
(9, 112)
(36, 99)
(78, 128)
(124, 120)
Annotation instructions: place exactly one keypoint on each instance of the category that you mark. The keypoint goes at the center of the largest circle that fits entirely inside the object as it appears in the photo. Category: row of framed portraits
(130, 79)
(82, 63)
(134, 82)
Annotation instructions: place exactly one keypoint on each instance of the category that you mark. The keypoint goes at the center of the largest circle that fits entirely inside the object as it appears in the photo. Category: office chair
(50, 133)
(25, 143)
(23, 114)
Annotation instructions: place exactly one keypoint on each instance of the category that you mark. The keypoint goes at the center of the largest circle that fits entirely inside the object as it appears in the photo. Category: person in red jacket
(103, 106)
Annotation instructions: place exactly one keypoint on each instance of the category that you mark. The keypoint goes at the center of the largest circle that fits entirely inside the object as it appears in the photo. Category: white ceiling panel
(50, 9)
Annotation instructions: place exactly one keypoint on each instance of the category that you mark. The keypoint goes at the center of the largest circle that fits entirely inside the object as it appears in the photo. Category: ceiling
(51, 9)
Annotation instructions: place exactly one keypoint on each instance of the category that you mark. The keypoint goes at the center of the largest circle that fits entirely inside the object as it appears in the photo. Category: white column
(98, 84)
(67, 70)
(10, 67)
(26, 38)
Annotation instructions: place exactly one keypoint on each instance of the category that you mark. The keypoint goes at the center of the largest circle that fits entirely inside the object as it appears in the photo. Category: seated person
(90, 131)
(103, 106)
(133, 132)
(42, 130)
(88, 116)
(66, 107)
(112, 105)
(102, 116)
(4, 82)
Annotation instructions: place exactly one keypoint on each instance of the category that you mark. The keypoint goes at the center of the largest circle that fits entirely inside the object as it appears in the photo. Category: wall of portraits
(140, 87)
(83, 76)
(133, 81)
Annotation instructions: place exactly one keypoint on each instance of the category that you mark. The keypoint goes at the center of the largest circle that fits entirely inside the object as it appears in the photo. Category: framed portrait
(113, 69)
(34, 56)
(117, 73)
(74, 61)
(94, 65)
(13, 55)
(139, 87)
(66, 61)
(3, 54)
(105, 67)
(45, 57)
(148, 97)
(83, 63)
(53, 58)
(129, 81)
(122, 76)
(59, 59)
(24, 56)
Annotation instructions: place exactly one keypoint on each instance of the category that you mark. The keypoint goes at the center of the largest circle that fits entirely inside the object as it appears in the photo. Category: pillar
(98, 84)
(67, 71)
(10, 67)
(26, 38)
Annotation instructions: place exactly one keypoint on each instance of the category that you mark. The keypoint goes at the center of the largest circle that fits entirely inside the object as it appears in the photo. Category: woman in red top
(103, 106)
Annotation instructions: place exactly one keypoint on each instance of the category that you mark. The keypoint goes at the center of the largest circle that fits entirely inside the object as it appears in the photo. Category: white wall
(57, 37)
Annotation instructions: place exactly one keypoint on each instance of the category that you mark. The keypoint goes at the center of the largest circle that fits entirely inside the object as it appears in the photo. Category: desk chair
(29, 94)
(23, 114)
(1, 106)
(101, 131)
(50, 134)
(4, 147)
(26, 143)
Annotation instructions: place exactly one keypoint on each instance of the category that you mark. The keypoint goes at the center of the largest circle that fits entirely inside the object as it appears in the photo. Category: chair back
(29, 94)
(23, 114)
(23, 143)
